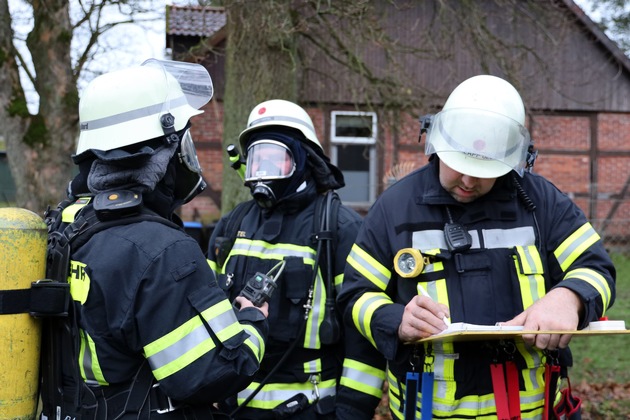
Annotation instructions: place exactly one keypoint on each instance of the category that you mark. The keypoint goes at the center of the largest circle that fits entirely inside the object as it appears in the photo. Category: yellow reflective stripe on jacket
(472, 406)
(88, 361)
(369, 267)
(271, 395)
(530, 271)
(70, 212)
(213, 266)
(437, 290)
(533, 376)
(313, 366)
(575, 245)
(484, 406)
(363, 310)
(182, 346)
(255, 342)
(394, 393)
(266, 251)
(222, 320)
(79, 281)
(596, 280)
(338, 283)
(363, 378)
(445, 386)
(316, 314)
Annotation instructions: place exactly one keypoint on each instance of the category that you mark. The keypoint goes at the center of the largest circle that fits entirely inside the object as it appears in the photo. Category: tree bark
(39, 146)
(261, 64)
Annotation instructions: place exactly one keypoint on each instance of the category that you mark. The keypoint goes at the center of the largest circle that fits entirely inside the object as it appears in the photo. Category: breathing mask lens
(189, 182)
(268, 160)
(188, 153)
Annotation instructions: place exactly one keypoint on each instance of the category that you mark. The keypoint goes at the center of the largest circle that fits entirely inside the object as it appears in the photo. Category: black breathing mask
(269, 170)
(188, 180)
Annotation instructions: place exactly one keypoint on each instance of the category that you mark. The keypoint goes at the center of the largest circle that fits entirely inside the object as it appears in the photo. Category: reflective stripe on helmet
(130, 115)
(278, 112)
(281, 118)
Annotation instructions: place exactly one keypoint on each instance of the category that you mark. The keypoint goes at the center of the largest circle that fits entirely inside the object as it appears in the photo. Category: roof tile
(194, 20)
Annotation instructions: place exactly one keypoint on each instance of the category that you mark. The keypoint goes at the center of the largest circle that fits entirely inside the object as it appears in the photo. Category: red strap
(506, 394)
(500, 391)
(514, 399)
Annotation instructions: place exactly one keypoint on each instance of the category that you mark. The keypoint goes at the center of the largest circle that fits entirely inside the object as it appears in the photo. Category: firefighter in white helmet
(267, 185)
(475, 237)
(296, 220)
(150, 334)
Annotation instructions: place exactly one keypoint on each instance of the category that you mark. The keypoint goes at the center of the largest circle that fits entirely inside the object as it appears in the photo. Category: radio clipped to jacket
(260, 287)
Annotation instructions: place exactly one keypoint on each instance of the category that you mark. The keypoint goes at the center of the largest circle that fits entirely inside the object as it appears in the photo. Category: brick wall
(585, 155)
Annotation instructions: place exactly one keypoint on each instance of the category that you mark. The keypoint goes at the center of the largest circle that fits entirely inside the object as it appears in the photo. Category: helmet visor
(193, 79)
(188, 154)
(478, 143)
(268, 160)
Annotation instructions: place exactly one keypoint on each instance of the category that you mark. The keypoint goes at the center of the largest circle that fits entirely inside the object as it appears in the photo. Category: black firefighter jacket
(144, 292)
(523, 244)
(287, 234)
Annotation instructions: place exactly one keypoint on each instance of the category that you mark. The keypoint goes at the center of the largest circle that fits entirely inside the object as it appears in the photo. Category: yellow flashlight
(409, 262)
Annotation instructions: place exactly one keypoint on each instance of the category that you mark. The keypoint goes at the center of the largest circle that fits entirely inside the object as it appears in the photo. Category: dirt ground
(609, 401)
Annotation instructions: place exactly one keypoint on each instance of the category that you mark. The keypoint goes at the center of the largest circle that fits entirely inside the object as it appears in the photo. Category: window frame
(336, 141)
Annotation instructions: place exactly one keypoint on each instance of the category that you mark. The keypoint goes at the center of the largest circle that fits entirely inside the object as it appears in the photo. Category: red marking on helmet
(479, 144)
(262, 110)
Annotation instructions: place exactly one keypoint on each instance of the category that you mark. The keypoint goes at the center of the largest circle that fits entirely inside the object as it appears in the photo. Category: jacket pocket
(529, 272)
(286, 313)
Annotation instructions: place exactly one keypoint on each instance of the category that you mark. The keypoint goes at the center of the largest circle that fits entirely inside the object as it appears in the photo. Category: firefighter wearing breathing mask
(149, 332)
(493, 243)
(293, 221)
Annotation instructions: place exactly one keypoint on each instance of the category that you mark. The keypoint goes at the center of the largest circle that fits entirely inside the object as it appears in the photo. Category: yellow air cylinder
(22, 260)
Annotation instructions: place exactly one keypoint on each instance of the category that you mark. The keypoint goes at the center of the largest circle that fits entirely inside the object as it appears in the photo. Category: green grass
(606, 358)
(600, 363)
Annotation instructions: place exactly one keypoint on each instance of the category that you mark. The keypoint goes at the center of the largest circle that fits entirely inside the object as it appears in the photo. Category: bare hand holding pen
(422, 318)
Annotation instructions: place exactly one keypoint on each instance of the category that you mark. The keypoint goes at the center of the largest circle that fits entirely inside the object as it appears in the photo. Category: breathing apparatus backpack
(63, 392)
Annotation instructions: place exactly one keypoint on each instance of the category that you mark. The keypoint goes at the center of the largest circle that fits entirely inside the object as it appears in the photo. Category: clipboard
(461, 331)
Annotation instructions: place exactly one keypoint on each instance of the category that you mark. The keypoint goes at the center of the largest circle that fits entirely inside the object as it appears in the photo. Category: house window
(353, 150)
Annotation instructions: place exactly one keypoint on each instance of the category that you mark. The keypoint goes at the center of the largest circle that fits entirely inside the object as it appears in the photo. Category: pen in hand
(423, 292)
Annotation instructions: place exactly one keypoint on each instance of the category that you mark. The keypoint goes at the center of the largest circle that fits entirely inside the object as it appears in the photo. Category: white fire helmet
(480, 131)
(125, 107)
(281, 113)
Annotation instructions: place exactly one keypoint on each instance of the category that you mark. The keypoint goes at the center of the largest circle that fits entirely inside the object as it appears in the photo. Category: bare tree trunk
(39, 146)
(261, 64)
(13, 111)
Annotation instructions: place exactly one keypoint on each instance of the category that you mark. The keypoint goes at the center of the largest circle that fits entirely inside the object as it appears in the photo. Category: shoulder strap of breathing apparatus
(70, 226)
(326, 217)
